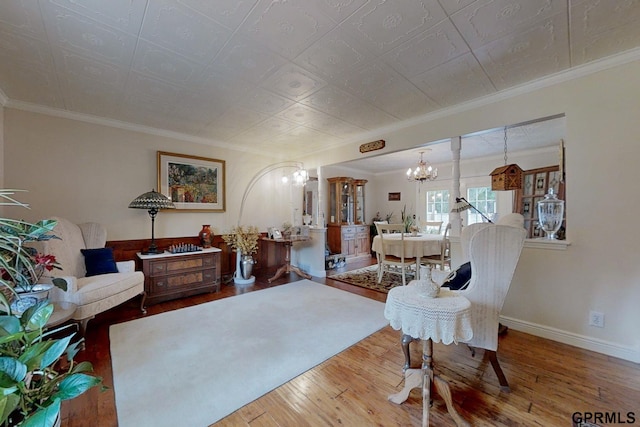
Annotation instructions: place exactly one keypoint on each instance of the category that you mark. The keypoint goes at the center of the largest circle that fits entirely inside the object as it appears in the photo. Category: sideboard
(168, 276)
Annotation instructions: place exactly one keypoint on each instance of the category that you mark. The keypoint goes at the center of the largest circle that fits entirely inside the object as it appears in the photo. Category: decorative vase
(24, 300)
(246, 266)
(426, 285)
(550, 214)
(205, 236)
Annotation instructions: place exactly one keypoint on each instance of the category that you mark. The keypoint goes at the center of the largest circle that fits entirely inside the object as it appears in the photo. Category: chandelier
(298, 178)
(422, 172)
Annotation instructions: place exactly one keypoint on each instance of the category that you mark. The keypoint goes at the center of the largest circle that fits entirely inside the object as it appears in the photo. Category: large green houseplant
(37, 371)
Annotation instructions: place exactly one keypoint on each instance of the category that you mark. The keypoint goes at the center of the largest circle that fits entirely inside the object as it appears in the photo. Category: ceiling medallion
(372, 146)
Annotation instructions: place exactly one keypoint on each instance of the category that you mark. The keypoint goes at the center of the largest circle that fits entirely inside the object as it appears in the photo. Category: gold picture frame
(193, 183)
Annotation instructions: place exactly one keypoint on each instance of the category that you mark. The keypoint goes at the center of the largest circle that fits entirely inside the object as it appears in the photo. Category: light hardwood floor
(549, 381)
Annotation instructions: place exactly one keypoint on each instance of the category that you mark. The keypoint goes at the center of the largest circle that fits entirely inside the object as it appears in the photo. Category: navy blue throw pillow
(99, 261)
(460, 278)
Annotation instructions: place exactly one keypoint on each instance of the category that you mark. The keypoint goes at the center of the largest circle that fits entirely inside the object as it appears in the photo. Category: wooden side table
(287, 267)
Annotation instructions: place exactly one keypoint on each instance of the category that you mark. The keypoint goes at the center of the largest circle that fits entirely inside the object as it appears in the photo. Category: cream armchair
(93, 294)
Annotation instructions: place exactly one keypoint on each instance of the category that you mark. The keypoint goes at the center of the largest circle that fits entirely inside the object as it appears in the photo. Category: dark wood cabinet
(169, 276)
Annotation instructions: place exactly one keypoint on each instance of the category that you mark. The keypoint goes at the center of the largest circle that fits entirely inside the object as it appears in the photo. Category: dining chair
(431, 227)
(443, 259)
(393, 263)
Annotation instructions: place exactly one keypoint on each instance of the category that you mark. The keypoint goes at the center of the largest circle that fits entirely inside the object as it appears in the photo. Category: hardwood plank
(549, 380)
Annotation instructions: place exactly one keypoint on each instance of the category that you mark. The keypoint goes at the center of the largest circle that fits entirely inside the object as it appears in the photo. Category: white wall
(89, 172)
(553, 291)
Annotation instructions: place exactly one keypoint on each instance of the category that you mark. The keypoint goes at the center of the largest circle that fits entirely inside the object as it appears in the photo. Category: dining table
(418, 246)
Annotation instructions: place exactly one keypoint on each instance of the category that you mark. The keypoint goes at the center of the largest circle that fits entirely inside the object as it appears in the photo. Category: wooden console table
(169, 276)
(287, 267)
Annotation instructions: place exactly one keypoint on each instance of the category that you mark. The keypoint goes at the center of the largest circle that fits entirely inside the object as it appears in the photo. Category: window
(484, 199)
(438, 206)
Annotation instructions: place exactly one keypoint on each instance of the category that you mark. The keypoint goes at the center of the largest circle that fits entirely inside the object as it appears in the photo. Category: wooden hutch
(347, 232)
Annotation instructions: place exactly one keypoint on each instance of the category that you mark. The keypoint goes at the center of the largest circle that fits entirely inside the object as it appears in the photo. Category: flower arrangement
(30, 275)
(407, 219)
(243, 239)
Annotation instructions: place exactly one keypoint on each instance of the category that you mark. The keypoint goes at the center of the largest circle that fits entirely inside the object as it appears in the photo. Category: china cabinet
(347, 233)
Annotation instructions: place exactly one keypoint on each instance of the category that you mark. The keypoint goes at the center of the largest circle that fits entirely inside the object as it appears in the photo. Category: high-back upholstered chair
(493, 251)
(93, 294)
(512, 219)
(393, 263)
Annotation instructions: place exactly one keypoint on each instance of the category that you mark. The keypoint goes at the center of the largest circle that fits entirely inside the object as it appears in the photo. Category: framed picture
(275, 233)
(394, 197)
(192, 183)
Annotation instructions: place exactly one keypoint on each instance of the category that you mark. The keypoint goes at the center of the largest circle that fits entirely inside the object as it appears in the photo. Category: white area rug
(194, 366)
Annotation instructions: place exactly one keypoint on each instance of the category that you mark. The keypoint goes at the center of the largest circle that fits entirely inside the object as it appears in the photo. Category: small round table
(446, 319)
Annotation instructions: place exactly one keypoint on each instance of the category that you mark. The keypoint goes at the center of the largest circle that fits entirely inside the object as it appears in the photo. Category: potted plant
(37, 371)
(245, 242)
(21, 266)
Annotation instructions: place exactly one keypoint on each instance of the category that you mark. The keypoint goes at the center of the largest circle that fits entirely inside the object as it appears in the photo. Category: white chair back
(431, 227)
(494, 251)
(512, 219)
(465, 236)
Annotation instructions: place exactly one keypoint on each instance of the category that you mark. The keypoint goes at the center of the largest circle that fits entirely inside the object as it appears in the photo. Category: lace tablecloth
(445, 319)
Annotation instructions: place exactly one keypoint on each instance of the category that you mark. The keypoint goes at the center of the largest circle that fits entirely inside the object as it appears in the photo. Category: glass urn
(550, 214)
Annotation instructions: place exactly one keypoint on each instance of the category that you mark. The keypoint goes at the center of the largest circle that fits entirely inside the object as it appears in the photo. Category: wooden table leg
(287, 267)
(441, 386)
(425, 377)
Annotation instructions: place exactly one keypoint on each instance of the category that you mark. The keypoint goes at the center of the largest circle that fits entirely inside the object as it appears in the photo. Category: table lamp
(153, 202)
(462, 205)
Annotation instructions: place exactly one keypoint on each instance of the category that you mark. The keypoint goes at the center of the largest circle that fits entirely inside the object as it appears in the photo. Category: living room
(86, 169)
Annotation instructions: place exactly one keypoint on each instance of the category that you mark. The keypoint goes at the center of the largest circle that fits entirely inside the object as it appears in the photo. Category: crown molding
(118, 124)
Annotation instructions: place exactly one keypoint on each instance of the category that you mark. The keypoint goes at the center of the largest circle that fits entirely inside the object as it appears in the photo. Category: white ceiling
(291, 76)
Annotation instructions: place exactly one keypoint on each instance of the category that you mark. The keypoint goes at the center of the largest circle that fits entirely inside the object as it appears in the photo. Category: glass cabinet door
(333, 203)
(346, 200)
(359, 214)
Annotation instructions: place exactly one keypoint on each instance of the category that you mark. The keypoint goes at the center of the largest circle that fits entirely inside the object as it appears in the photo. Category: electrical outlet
(596, 319)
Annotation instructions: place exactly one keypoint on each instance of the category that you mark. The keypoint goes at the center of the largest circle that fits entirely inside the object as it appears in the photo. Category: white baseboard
(588, 343)
(317, 273)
